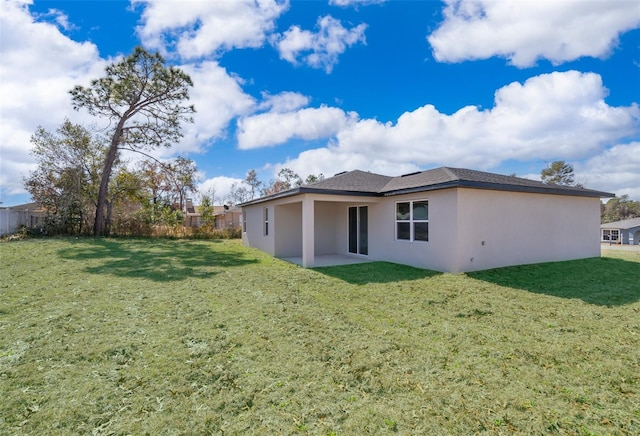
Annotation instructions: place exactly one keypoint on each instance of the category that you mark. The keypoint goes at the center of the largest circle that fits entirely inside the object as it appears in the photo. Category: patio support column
(308, 230)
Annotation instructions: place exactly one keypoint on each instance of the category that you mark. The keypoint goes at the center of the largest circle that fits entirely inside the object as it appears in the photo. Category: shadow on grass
(603, 281)
(161, 260)
(375, 272)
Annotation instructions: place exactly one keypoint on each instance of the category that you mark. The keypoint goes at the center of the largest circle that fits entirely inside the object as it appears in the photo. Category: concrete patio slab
(329, 260)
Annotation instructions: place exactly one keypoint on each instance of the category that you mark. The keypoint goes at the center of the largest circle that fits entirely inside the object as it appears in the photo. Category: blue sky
(334, 85)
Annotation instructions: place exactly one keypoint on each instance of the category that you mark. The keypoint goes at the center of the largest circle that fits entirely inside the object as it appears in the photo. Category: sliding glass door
(359, 230)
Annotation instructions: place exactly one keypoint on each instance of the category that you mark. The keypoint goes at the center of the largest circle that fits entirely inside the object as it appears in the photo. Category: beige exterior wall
(522, 228)
(327, 222)
(438, 253)
(254, 235)
(288, 222)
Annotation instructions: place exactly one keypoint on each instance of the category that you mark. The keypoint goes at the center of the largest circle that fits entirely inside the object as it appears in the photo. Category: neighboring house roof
(370, 184)
(622, 225)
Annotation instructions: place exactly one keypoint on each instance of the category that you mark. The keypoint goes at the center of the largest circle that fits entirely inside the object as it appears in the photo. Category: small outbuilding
(621, 232)
(444, 219)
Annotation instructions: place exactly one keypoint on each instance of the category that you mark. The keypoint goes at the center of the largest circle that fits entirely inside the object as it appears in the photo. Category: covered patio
(314, 231)
(329, 260)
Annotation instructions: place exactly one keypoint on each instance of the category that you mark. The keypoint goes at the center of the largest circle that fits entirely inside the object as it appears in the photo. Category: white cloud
(218, 98)
(202, 28)
(558, 116)
(219, 186)
(332, 160)
(525, 31)
(345, 3)
(283, 102)
(39, 67)
(273, 128)
(321, 49)
(615, 170)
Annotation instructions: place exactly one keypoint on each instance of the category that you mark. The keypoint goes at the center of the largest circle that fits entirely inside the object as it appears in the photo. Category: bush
(210, 233)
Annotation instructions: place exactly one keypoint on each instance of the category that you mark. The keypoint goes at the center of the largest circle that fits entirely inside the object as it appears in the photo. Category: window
(266, 221)
(244, 222)
(412, 220)
(612, 235)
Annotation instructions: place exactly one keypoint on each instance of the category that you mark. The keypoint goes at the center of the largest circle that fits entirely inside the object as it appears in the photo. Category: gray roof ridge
(451, 172)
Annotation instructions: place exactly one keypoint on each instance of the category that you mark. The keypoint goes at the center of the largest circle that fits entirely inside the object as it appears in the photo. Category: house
(444, 219)
(226, 217)
(28, 215)
(621, 232)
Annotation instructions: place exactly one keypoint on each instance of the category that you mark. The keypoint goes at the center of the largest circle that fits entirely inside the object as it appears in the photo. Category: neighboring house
(444, 219)
(226, 217)
(621, 232)
(28, 215)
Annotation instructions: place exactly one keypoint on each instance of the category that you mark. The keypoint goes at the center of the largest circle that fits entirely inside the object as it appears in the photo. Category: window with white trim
(610, 235)
(412, 220)
(244, 222)
(266, 221)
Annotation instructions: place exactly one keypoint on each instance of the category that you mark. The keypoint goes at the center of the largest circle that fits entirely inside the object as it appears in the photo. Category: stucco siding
(325, 228)
(254, 235)
(497, 228)
(288, 230)
(438, 253)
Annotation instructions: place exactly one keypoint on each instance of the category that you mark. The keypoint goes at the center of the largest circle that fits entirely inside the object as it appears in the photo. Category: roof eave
(503, 187)
(277, 195)
(547, 189)
(306, 190)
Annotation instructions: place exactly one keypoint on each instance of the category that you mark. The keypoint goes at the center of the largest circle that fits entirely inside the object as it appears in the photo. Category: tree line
(68, 177)
(149, 194)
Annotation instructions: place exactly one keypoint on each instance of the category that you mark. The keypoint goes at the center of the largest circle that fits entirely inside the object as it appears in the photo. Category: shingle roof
(442, 177)
(358, 181)
(364, 183)
(624, 224)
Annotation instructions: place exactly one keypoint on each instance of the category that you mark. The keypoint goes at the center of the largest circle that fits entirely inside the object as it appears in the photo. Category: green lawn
(124, 336)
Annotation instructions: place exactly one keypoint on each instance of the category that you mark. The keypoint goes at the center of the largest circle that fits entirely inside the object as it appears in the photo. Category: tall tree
(66, 179)
(558, 173)
(155, 180)
(312, 178)
(238, 193)
(143, 100)
(254, 184)
(290, 178)
(287, 179)
(207, 211)
(182, 173)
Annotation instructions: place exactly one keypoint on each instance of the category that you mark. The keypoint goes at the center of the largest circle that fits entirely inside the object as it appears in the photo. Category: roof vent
(341, 173)
(411, 174)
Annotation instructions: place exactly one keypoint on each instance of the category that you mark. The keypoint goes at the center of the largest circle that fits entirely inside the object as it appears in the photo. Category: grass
(126, 336)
